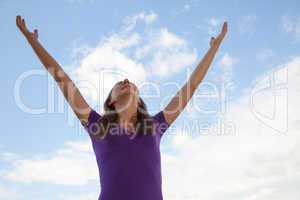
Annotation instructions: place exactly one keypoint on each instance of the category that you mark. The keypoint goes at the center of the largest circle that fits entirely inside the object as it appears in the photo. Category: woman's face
(124, 91)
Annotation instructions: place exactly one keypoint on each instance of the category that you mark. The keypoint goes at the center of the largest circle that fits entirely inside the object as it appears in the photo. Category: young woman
(125, 138)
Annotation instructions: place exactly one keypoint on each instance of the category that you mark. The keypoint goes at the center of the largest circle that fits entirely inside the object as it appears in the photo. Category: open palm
(22, 26)
(216, 41)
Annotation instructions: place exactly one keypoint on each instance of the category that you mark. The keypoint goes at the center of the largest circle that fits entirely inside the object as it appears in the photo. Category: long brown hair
(143, 125)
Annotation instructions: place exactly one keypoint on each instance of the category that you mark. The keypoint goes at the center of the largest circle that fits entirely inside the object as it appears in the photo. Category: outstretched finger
(18, 20)
(224, 28)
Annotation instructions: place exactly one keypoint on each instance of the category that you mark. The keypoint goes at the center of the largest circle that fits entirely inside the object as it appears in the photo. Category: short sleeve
(161, 123)
(91, 126)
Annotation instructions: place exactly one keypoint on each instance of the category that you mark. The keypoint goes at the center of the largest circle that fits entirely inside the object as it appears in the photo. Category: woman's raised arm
(69, 90)
(180, 100)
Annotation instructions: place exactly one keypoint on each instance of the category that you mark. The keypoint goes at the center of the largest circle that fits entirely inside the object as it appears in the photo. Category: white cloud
(211, 25)
(7, 193)
(108, 63)
(247, 24)
(181, 140)
(86, 196)
(167, 53)
(225, 72)
(214, 22)
(287, 24)
(161, 39)
(168, 39)
(186, 7)
(291, 25)
(74, 164)
(227, 60)
(8, 156)
(131, 21)
(256, 162)
(132, 54)
(214, 25)
(169, 65)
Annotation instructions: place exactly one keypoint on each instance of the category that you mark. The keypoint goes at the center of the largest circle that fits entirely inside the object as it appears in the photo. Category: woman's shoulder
(93, 118)
(159, 117)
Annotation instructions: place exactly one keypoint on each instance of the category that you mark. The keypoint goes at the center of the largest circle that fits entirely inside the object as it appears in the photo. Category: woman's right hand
(22, 26)
(217, 41)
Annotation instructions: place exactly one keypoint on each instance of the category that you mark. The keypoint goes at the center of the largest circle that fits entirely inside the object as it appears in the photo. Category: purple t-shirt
(129, 167)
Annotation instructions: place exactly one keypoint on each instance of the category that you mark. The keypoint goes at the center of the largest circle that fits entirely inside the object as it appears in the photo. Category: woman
(125, 138)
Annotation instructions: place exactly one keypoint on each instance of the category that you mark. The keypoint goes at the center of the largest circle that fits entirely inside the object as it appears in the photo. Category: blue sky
(158, 41)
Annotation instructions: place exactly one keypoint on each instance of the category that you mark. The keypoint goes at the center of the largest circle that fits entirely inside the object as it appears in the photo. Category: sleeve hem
(162, 124)
(162, 116)
(90, 117)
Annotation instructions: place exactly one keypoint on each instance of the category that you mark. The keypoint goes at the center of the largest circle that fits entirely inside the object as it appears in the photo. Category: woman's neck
(128, 118)
(127, 113)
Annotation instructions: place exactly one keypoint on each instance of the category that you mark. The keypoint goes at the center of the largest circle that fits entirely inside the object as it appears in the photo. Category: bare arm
(66, 85)
(182, 97)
